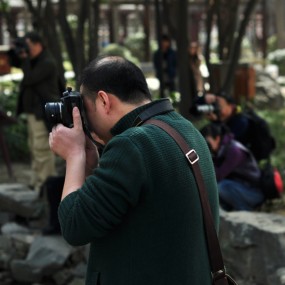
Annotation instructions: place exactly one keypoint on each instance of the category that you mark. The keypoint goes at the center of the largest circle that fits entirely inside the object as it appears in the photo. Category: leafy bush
(15, 134)
(135, 43)
(118, 50)
(278, 57)
(272, 43)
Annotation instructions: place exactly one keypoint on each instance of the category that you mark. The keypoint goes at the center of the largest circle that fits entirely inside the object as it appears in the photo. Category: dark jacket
(140, 210)
(39, 85)
(234, 161)
(168, 65)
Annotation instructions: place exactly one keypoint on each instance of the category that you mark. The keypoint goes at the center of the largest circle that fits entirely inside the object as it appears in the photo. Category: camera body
(61, 112)
(20, 46)
(205, 109)
(14, 54)
(208, 108)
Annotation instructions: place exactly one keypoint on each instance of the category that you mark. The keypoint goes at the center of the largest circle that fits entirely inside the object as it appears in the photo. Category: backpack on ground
(260, 141)
(271, 182)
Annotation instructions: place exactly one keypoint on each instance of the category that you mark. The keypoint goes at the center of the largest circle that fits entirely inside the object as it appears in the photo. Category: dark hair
(165, 37)
(214, 130)
(34, 38)
(229, 99)
(118, 76)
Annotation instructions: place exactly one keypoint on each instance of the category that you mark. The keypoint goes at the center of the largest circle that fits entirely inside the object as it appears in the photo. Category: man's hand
(211, 99)
(68, 142)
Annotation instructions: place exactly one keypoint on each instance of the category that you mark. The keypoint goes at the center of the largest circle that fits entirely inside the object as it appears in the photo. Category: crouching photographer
(222, 108)
(246, 125)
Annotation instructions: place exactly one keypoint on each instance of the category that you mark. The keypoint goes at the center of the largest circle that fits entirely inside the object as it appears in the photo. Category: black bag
(271, 182)
(259, 139)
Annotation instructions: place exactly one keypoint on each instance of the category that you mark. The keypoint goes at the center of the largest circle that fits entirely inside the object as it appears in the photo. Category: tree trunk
(235, 49)
(49, 32)
(183, 58)
(93, 30)
(147, 54)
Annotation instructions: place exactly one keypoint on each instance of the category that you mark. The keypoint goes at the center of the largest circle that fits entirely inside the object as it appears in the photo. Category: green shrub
(135, 43)
(272, 43)
(118, 50)
(15, 134)
(278, 57)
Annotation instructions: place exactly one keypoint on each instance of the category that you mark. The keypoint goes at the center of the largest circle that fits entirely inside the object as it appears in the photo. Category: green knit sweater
(140, 210)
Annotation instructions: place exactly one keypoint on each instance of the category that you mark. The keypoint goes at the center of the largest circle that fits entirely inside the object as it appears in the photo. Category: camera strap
(160, 107)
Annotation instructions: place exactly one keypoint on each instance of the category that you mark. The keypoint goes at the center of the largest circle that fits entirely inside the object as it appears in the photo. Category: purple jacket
(234, 161)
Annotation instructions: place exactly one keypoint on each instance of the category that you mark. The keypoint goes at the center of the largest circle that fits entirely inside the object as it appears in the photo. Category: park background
(242, 42)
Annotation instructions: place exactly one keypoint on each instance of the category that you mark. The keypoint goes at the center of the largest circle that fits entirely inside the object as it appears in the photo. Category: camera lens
(205, 108)
(54, 112)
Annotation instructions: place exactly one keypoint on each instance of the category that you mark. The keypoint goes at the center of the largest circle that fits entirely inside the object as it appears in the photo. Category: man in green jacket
(138, 204)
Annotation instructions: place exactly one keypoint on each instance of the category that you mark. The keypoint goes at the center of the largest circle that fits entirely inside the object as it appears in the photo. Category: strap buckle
(192, 156)
(218, 274)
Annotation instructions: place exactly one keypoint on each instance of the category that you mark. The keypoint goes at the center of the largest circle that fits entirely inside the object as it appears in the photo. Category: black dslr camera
(61, 112)
(208, 108)
(20, 46)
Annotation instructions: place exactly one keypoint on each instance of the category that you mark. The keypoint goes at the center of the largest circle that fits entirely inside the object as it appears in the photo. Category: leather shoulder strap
(214, 250)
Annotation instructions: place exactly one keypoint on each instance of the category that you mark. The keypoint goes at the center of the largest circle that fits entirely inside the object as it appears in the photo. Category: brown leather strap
(214, 250)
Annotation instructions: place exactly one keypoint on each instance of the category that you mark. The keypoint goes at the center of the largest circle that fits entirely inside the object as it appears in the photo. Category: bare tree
(231, 32)
(6, 14)
(81, 42)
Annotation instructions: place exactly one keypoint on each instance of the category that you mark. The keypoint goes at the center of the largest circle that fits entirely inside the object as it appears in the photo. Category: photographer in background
(237, 171)
(39, 85)
(221, 108)
(246, 125)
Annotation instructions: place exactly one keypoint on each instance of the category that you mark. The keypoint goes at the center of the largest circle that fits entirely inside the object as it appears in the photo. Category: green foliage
(118, 50)
(272, 43)
(4, 6)
(278, 57)
(276, 122)
(135, 43)
(15, 134)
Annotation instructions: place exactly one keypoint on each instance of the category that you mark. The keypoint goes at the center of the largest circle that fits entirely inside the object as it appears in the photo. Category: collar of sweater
(127, 121)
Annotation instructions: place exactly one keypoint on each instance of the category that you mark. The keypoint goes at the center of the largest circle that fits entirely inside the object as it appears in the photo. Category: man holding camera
(39, 85)
(138, 204)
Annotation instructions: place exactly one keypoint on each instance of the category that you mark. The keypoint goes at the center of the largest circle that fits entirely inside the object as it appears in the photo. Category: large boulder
(18, 199)
(253, 246)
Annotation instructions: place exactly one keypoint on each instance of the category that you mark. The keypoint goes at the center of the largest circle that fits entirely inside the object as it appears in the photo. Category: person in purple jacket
(237, 171)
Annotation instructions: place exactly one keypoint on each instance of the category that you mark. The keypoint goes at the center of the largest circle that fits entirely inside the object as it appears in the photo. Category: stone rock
(14, 228)
(253, 246)
(45, 257)
(19, 199)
